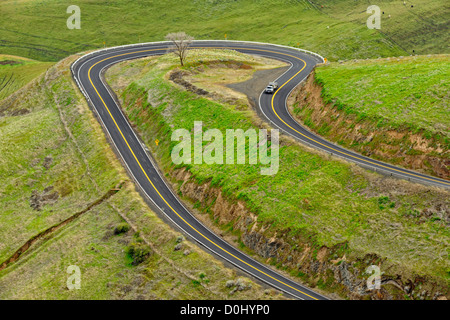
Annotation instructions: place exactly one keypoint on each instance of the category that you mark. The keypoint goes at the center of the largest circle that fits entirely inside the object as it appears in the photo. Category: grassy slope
(15, 76)
(412, 91)
(82, 170)
(422, 28)
(324, 202)
(43, 35)
(337, 31)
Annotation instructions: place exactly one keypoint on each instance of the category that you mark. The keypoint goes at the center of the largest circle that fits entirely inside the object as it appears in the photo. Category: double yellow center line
(165, 201)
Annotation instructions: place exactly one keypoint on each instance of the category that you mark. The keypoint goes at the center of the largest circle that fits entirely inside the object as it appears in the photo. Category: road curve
(87, 72)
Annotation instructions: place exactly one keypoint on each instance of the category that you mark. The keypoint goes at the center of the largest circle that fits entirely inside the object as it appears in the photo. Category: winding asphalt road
(87, 72)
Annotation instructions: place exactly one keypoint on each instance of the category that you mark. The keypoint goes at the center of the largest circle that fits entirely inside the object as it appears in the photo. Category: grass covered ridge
(335, 29)
(312, 198)
(394, 109)
(411, 91)
(56, 162)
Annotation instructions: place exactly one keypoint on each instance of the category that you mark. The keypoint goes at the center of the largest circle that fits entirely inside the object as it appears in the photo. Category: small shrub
(382, 202)
(138, 252)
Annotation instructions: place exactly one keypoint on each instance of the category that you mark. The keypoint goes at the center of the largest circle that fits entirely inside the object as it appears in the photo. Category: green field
(54, 163)
(335, 29)
(53, 149)
(312, 198)
(411, 91)
(15, 72)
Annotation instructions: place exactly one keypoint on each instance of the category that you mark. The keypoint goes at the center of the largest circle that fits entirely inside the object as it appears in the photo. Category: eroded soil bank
(327, 269)
(398, 146)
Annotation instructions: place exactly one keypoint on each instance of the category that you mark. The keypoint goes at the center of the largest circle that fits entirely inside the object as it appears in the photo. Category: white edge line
(145, 152)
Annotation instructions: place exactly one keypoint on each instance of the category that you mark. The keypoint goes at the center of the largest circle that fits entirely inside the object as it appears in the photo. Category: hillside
(313, 204)
(66, 200)
(393, 109)
(15, 72)
(417, 27)
(335, 29)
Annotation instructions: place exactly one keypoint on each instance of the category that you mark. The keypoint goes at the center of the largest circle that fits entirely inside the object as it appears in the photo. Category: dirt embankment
(10, 62)
(323, 268)
(398, 146)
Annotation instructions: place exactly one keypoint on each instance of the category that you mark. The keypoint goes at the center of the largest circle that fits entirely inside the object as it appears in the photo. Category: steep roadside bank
(264, 216)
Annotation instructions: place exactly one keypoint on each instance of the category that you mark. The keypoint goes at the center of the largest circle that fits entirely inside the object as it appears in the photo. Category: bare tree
(180, 44)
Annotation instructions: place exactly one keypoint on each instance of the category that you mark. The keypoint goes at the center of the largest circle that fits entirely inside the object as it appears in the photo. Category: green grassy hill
(55, 164)
(392, 109)
(335, 29)
(411, 91)
(15, 72)
(419, 25)
(312, 199)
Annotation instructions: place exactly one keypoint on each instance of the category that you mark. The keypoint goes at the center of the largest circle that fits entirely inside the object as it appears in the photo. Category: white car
(271, 87)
